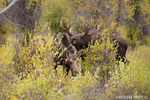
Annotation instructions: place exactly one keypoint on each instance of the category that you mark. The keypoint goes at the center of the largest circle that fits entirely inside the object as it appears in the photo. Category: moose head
(69, 58)
(81, 41)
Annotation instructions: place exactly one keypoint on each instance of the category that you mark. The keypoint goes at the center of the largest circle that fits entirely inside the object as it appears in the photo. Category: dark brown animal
(68, 58)
(81, 41)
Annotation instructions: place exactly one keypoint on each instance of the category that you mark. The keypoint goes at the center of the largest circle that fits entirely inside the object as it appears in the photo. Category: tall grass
(134, 79)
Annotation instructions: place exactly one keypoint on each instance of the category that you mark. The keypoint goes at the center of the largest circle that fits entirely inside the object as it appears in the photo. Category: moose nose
(76, 72)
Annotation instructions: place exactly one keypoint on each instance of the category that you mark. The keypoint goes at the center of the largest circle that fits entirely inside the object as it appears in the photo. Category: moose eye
(71, 61)
(74, 41)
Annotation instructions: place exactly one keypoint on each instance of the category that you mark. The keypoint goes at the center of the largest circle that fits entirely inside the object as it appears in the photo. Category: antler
(68, 29)
(87, 28)
(96, 28)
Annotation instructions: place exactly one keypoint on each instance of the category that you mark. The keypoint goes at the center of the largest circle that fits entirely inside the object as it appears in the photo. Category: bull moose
(81, 41)
(69, 57)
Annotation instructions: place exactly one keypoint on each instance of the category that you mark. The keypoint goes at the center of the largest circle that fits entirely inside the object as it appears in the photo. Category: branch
(11, 4)
(22, 26)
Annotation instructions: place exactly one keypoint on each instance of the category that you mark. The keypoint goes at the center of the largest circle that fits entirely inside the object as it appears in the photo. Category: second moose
(81, 41)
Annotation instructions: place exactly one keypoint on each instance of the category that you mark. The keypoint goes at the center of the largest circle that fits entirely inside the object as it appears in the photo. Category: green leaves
(134, 78)
(100, 54)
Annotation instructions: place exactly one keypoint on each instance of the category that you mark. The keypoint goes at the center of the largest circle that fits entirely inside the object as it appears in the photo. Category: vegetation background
(24, 75)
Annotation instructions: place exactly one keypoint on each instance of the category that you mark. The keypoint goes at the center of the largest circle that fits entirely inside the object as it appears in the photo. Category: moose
(81, 41)
(68, 57)
(67, 54)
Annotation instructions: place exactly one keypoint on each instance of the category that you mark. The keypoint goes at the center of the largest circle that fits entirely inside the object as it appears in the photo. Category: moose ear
(79, 53)
(67, 53)
(74, 48)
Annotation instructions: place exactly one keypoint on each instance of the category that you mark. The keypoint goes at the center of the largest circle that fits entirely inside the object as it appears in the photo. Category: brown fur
(69, 58)
(81, 42)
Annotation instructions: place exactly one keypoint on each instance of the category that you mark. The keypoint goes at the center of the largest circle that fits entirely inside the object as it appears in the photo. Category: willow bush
(7, 52)
(100, 57)
(53, 11)
(133, 80)
(42, 81)
(28, 73)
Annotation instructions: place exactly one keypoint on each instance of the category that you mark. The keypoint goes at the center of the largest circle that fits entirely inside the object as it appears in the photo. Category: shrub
(42, 82)
(133, 80)
(7, 52)
(53, 12)
(100, 57)
(39, 53)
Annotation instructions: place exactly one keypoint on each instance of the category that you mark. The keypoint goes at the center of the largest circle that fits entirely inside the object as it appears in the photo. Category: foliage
(44, 83)
(26, 72)
(6, 70)
(3, 34)
(52, 86)
(39, 53)
(53, 11)
(32, 74)
(133, 79)
(45, 86)
(133, 36)
(101, 57)
(118, 15)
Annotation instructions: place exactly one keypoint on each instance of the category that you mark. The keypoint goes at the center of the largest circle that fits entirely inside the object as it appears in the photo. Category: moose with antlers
(68, 57)
(81, 41)
(67, 53)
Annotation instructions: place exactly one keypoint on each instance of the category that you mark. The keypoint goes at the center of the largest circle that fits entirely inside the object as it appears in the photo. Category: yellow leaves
(6, 69)
(80, 1)
(113, 26)
(77, 1)
(79, 84)
(146, 1)
(126, 1)
(6, 55)
(4, 29)
(14, 98)
(107, 5)
(3, 4)
(130, 12)
(69, 12)
(135, 76)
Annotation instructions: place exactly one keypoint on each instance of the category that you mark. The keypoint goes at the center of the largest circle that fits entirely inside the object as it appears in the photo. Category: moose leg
(56, 68)
(82, 71)
(126, 62)
(66, 69)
